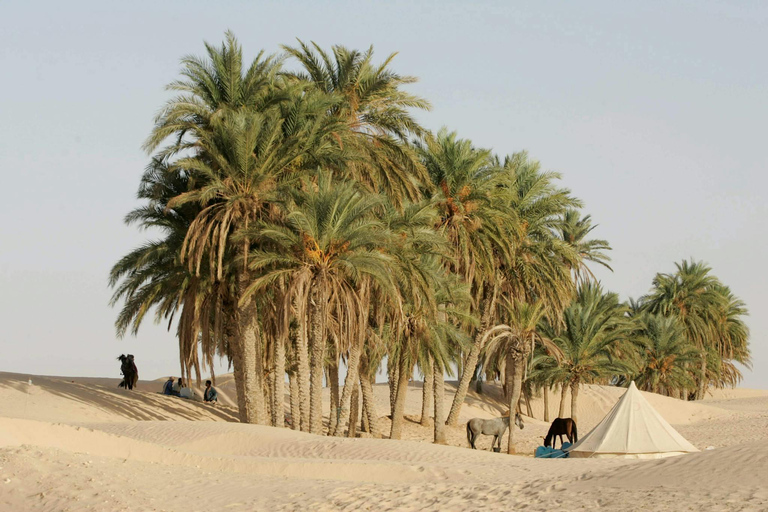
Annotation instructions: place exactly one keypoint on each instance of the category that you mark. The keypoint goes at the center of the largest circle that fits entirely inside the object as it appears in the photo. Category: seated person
(176, 391)
(210, 394)
(168, 387)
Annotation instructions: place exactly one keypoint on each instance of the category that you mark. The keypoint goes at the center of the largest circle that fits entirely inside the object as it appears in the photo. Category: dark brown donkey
(561, 427)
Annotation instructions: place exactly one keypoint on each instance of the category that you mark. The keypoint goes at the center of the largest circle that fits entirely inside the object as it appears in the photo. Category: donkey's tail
(469, 435)
(575, 433)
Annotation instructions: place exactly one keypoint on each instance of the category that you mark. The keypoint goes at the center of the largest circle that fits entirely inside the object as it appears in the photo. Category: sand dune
(83, 444)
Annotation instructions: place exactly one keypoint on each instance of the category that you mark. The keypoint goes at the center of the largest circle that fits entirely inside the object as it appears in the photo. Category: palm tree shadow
(137, 405)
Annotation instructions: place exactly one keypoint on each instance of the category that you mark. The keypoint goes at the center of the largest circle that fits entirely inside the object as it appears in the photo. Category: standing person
(210, 394)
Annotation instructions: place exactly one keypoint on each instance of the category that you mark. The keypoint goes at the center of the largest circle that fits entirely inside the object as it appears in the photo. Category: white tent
(633, 430)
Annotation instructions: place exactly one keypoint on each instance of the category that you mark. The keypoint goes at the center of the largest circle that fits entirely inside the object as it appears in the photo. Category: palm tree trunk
(574, 398)
(392, 379)
(527, 396)
(515, 383)
(293, 385)
(354, 410)
(302, 376)
(268, 390)
(438, 386)
(332, 380)
(563, 391)
(398, 412)
(369, 404)
(278, 399)
(702, 378)
(546, 402)
(364, 425)
(468, 370)
(427, 390)
(237, 363)
(351, 382)
(318, 302)
(249, 349)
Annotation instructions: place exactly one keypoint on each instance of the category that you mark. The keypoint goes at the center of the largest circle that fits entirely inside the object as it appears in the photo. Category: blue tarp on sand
(547, 452)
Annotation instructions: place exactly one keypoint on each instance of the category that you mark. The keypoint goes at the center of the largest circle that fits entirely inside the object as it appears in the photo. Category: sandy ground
(82, 444)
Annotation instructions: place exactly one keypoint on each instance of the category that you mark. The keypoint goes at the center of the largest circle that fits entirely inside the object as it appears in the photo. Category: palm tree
(536, 276)
(153, 276)
(210, 87)
(665, 353)
(733, 335)
(594, 324)
(376, 112)
(538, 267)
(574, 231)
(511, 343)
(235, 134)
(327, 243)
(427, 329)
(239, 165)
(464, 185)
(692, 295)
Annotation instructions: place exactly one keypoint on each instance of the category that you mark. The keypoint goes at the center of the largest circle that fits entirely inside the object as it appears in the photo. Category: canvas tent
(634, 430)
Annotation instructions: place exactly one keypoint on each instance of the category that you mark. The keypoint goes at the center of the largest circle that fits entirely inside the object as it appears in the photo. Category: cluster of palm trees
(685, 335)
(308, 223)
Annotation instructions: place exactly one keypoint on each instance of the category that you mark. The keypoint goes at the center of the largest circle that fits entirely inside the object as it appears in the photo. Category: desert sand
(83, 444)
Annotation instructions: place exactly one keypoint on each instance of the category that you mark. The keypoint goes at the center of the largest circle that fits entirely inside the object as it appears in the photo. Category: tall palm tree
(594, 324)
(536, 274)
(239, 164)
(153, 276)
(327, 243)
(464, 187)
(235, 133)
(376, 111)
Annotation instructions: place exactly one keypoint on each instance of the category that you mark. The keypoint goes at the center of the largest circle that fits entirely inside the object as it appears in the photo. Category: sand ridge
(83, 444)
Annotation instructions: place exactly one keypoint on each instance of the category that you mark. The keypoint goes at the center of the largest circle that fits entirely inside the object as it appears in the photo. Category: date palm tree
(464, 187)
(666, 354)
(153, 276)
(211, 86)
(239, 165)
(692, 295)
(574, 230)
(593, 326)
(327, 243)
(377, 112)
(510, 344)
(536, 275)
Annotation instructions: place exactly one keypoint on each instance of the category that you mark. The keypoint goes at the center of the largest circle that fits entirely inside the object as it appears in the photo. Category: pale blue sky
(655, 113)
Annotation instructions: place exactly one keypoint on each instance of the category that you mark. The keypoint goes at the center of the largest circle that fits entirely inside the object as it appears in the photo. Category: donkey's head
(519, 421)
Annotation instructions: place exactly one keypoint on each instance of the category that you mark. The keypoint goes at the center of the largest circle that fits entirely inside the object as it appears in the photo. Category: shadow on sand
(138, 404)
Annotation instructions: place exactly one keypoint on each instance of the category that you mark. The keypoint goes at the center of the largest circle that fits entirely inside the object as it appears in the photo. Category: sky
(654, 113)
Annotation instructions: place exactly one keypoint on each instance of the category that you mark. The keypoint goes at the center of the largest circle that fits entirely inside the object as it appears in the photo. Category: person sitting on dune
(177, 387)
(168, 387)
(210, 395)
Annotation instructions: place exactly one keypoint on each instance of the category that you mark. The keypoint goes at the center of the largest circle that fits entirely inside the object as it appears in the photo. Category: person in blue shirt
(210, 395)
(168, 388)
